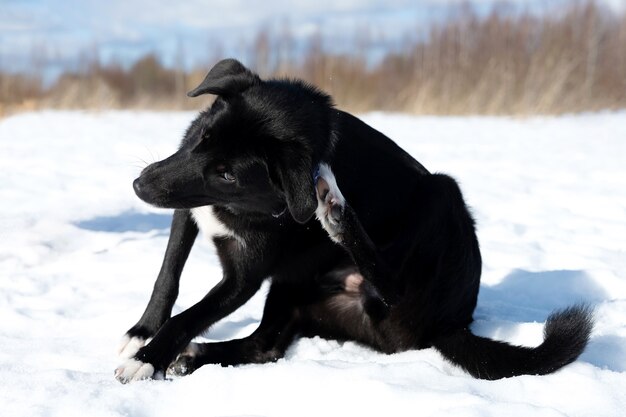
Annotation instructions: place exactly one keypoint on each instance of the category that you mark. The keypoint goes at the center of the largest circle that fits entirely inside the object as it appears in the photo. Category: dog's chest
(209, 224)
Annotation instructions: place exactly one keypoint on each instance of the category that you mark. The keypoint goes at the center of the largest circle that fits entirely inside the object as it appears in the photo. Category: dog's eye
(227, 176)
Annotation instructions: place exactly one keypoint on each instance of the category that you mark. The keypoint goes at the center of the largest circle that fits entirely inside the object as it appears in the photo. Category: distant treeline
(500, 64)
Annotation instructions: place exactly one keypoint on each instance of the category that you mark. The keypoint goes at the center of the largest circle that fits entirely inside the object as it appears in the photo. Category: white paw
(330, 203)
(134, 370)
(130, 345)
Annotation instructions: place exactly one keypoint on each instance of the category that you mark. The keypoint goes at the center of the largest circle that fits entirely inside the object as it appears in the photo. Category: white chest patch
(209, 225)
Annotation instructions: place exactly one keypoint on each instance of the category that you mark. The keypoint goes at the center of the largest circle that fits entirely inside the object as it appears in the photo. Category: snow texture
(79, 254)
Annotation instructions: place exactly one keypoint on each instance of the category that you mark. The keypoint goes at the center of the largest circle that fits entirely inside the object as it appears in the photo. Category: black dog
(394, 264)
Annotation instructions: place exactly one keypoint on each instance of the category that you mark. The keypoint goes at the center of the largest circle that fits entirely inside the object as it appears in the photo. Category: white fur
(323, 207)
(210, 225)
(134, 370)
(347, 303)
(129, 346)
(327, 174)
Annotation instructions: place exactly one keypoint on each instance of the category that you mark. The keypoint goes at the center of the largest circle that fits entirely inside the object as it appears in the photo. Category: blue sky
(57, 32)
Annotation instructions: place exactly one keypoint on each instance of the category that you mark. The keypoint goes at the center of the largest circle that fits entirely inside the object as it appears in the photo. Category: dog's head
(253, 151)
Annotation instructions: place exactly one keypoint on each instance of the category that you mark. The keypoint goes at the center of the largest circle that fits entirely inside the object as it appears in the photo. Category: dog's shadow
(525, 296)
(532, 296)
(128, 221)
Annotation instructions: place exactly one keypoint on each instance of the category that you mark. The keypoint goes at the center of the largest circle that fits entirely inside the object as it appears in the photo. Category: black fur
(251, 156)
(565, 336)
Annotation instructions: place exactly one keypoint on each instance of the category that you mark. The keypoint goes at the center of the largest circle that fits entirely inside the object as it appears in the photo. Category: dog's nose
(137, 187)
(143, 190)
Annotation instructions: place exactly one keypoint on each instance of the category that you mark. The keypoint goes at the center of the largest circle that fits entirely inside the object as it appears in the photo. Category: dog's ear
(296, 176)
(228, 77)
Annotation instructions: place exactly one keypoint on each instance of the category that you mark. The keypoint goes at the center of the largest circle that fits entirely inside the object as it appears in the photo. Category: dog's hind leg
(268, 343)
(182, 236)
(342, 313)
(343, 226)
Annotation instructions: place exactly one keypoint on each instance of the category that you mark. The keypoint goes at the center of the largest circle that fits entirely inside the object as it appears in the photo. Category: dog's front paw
(135, 338)
(130, 345)
(136, 370)
(330, 203)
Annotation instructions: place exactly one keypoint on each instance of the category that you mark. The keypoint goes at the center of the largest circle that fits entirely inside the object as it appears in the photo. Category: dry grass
(501, 64)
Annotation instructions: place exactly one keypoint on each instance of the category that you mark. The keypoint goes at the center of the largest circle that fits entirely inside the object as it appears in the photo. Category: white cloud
(617, 5)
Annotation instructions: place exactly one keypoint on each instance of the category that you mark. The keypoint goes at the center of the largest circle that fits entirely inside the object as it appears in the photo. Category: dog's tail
(566, 334)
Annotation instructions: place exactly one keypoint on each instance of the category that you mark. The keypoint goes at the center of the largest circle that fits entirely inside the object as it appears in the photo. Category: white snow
(79, 254)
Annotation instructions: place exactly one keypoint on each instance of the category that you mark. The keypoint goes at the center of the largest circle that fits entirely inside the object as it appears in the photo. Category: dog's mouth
(187, 202)
(164, 198)
(280, 214)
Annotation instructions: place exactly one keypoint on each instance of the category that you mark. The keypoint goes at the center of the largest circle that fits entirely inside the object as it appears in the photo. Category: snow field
(79, 254)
